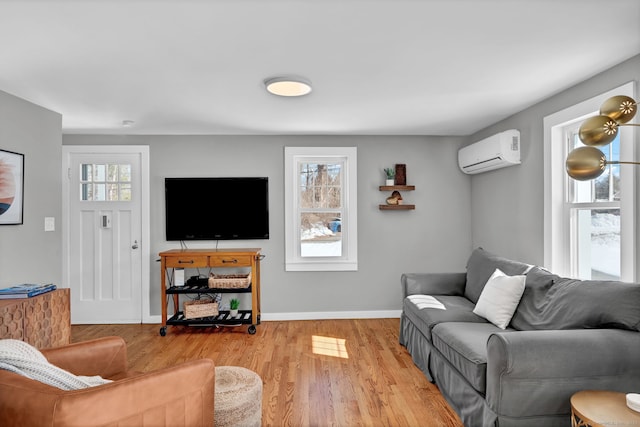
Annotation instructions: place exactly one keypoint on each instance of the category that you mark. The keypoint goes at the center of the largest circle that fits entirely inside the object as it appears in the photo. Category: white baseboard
(152, 319)
(323, 315)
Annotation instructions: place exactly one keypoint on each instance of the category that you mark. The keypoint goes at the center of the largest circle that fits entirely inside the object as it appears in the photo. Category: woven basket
(200, 308)
(229, 281)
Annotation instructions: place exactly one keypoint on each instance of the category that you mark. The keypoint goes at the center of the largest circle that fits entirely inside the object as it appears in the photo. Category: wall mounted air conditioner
(497, 151)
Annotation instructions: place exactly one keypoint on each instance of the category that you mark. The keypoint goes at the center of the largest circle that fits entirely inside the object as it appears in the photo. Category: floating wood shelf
(397, 207)
(397, 187)
(402, 207)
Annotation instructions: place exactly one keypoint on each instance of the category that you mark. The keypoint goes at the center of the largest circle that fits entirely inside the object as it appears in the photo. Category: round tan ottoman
(238, 397)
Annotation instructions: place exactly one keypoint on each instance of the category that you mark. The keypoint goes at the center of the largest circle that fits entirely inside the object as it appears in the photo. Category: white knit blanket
(24, 359)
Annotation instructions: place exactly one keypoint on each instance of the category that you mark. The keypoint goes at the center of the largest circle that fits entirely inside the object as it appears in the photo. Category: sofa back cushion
(481, 266)
(553, 302)
(500, 297)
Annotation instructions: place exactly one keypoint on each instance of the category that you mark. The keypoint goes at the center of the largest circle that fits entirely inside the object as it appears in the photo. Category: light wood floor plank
(374, 383)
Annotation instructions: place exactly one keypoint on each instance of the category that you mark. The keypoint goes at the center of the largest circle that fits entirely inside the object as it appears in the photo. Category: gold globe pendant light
(585, 163)
(598, 131)
(620, 108)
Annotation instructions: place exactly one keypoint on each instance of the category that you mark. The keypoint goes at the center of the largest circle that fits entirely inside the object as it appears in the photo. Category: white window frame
(293, 259)
(557, 232)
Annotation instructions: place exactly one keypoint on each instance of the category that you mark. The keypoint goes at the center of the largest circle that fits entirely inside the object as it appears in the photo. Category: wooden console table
(248, 258)
(42, 321)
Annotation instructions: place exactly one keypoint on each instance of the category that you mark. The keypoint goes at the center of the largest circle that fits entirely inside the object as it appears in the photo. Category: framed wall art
(11, 187)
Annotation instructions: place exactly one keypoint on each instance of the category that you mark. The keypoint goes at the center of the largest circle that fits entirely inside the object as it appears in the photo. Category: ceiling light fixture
(588, 162)
(127, 123)
(288, 86)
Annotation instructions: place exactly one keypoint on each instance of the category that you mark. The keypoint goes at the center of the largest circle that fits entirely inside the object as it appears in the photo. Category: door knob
(135, 245)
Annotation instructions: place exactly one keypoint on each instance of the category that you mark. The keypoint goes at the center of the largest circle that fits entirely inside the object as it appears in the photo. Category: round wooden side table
(600, 408)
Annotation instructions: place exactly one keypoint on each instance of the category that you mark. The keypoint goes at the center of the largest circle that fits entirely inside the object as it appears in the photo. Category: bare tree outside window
(321, 209)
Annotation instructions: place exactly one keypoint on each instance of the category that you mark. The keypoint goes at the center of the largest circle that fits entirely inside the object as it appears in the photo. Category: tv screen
(216, 208)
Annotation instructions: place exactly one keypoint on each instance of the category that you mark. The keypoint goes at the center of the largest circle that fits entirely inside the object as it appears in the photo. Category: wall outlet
(49, 223)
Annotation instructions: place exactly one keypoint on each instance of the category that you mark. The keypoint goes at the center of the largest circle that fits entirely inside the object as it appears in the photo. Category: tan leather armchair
(178, 396)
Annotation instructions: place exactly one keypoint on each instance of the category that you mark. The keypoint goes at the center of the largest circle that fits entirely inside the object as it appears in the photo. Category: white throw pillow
(499, 298)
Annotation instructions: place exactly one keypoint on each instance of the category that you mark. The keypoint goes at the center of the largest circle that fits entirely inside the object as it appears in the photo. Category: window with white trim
(593, 211)
(321, 209)
(589, 225)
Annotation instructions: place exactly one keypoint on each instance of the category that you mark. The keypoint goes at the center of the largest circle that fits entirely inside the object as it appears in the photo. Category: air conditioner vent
(497, 151)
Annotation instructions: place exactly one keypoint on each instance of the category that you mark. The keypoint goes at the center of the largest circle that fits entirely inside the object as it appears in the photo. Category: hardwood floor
(315, 373)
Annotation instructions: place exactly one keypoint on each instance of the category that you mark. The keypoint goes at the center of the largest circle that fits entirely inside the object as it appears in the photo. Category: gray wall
(28, 254)
(500, 210)
(507, 204)
(434, 237)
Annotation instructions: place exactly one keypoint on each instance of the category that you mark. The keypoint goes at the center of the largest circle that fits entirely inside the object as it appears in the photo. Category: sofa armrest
(182, 395)
(536, 372)
(103, 356)
(433, 283)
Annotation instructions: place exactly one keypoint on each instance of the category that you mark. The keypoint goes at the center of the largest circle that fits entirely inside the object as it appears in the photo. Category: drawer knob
(229, 261)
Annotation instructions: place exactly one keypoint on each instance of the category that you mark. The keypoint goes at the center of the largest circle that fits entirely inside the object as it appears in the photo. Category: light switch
(49, 223)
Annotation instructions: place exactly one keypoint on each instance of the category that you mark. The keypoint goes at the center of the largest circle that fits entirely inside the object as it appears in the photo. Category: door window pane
(125, 173)
(105, 182)
(99, 173)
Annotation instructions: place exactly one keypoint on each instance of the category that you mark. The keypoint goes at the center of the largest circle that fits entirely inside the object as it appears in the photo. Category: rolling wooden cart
(212, 259)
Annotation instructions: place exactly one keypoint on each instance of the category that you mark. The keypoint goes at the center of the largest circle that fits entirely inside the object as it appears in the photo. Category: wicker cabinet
(212, 260)
(42, 321)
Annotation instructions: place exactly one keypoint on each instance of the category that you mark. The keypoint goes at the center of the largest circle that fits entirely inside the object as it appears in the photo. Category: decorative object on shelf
(585, 163)
(401, 174)
(204, 307)
(395, 198)
(234, 304)
(390, 173)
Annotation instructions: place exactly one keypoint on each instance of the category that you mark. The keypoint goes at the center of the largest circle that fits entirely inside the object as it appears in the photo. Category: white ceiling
(378, 67)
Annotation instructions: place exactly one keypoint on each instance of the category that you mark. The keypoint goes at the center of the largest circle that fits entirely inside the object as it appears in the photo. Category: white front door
(104, 241)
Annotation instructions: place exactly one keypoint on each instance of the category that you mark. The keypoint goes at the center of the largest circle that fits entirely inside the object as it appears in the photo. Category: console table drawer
(230, 260)
(186, 261)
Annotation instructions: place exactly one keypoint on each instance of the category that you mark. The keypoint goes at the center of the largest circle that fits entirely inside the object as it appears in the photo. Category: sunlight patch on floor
(328, 346)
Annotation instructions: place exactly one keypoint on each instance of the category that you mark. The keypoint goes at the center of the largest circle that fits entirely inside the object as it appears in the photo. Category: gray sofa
(565, 335)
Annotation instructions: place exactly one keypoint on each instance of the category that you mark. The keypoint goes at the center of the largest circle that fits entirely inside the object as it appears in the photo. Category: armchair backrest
(181, 395)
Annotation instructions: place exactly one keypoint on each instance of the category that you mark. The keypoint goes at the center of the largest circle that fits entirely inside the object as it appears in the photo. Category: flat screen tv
(216, 208)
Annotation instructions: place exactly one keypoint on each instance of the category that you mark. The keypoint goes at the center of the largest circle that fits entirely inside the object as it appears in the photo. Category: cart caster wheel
(252, 329)
(163, 331)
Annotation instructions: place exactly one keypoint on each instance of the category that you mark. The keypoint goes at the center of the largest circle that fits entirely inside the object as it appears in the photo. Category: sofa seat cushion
(426, 311)
(464, 345)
